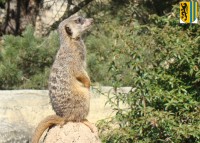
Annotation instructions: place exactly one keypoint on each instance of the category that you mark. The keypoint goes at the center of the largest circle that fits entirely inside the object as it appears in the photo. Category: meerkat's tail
(44, 124)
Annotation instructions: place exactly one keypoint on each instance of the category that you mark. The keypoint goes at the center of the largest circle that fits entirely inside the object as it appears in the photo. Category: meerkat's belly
(68, 98)
(70, 107)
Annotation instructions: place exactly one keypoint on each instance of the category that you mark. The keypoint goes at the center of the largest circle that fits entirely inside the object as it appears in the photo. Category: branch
(78, 7)
(17, 18)
(69, 12)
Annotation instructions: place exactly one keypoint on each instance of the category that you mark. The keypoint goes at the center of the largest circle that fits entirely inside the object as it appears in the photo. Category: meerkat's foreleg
(84, 79)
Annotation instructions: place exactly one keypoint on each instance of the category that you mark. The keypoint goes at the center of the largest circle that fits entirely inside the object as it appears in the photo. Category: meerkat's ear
(68, 30)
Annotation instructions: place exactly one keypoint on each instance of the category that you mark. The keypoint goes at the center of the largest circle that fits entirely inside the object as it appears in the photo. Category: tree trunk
(19, 14)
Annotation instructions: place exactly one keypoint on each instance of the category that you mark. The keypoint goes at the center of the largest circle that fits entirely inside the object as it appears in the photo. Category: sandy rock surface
(72, 133)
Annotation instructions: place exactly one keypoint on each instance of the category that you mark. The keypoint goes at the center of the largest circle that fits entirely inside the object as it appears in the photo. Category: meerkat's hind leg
(88, 124)
(61, 124)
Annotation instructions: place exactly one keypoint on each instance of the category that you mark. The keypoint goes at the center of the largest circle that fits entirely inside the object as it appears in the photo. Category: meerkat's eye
(79, 20)
(68, 30)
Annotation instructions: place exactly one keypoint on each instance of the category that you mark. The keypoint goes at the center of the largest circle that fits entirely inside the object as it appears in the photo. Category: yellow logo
(188, 12)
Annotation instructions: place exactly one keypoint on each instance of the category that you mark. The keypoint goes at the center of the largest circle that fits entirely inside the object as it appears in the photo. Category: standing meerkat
(69, 82)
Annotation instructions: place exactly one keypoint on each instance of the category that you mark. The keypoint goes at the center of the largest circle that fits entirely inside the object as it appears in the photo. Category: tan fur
(69, 82)
(46, 123)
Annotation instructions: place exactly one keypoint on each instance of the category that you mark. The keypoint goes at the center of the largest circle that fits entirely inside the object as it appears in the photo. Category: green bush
(161, 61)
(25, 60)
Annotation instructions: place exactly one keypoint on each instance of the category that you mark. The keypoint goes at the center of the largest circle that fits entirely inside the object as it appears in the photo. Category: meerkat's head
(75, 26)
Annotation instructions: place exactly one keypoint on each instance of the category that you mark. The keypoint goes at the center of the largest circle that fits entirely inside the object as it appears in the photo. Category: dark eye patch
(79, 20)
(68, 30)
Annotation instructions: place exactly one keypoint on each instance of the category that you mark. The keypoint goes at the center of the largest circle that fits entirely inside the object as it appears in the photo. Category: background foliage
(160, 60)
(25, 60)
(139, 44)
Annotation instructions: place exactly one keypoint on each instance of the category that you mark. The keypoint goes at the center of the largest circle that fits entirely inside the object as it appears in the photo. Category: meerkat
(69, 83)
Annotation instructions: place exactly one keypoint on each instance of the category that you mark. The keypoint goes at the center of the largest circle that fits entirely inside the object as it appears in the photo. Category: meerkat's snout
(88, 22)
(82, 25)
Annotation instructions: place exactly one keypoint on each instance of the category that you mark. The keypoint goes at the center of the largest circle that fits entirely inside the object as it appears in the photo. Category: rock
(19, 111)
(27, 106)
(72, 133)
(14, 133)
(50, 13)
